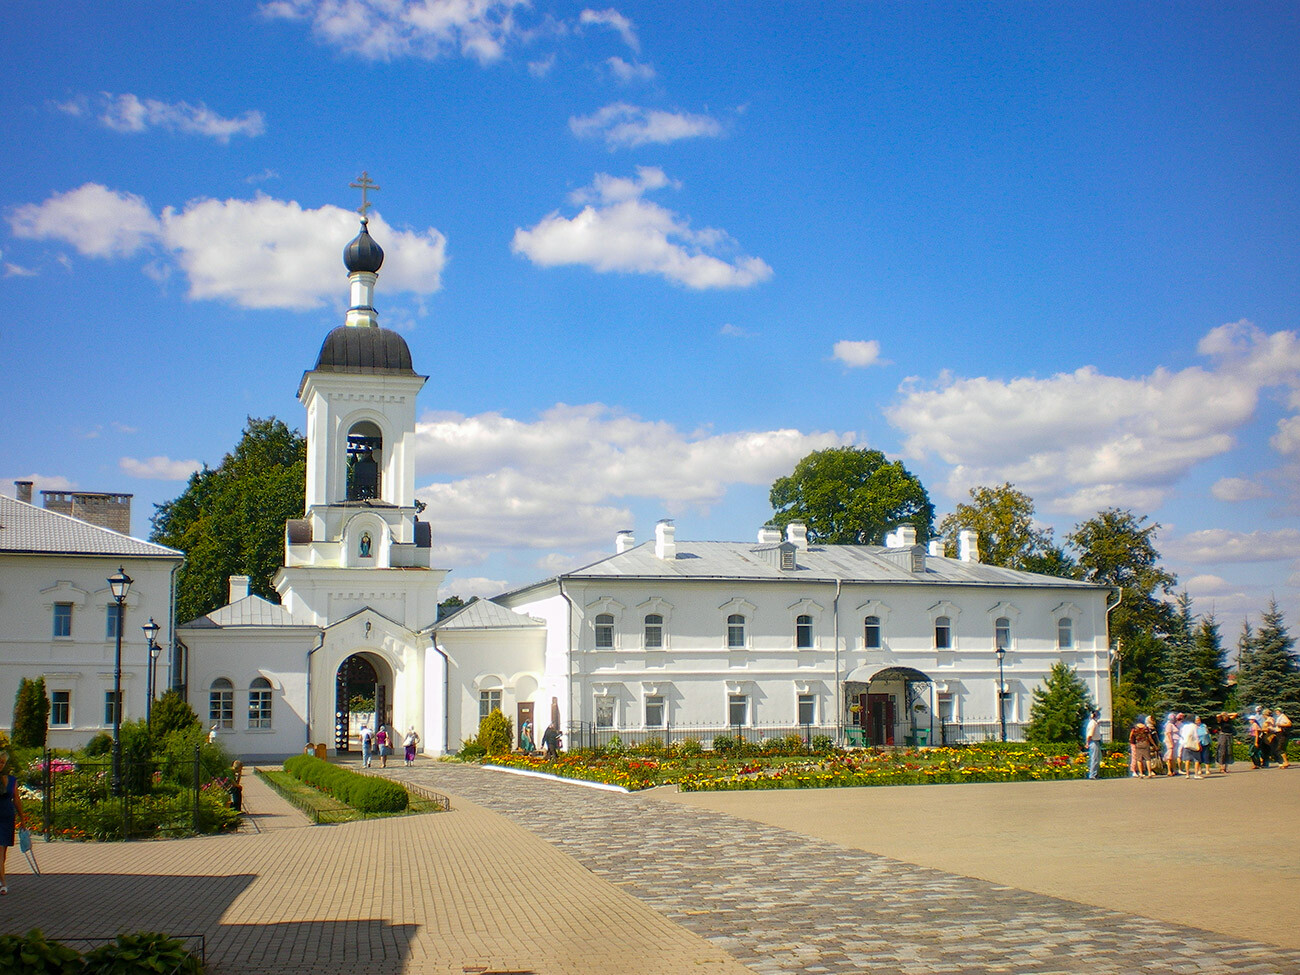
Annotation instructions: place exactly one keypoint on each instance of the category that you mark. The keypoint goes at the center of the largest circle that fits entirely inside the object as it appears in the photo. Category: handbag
(25, 845)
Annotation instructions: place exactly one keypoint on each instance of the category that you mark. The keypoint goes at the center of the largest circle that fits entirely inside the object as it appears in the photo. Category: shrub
(171, 712)
(143, 952)
(614, 746)
(775, 746)
(823, 744)
(100, 744)
(793, 744)
(471, 750)
(363, 793)
(32, 954)
(495, 733)
(651, 746)
(724, 744)
(690, 746)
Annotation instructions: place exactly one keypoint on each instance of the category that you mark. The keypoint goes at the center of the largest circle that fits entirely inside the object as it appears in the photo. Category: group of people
(550, 739)
(380, 742)
(1190, 746)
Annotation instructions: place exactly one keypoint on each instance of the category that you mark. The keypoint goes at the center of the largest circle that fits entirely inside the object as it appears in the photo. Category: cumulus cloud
(735, 331)
(258, 253)
(625, 126)
(562, 481)
(131, 113)
(1082, 440)
(159, 468)
(470, 587)
(856, 354)
(615, 21)
(629, 71)
(1238, 489)
(618, 230)
(1213, 545)
(384, 30)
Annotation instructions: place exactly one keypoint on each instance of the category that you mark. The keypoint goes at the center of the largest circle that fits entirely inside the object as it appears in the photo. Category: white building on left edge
(60, 620)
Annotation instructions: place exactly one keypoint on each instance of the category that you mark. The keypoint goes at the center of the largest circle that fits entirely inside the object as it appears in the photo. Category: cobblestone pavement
(778, 901)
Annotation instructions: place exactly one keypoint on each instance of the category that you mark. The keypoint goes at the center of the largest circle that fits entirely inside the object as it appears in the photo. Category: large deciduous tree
(230, 519)
(851, 496)
(1268, 671)
(1004, 518)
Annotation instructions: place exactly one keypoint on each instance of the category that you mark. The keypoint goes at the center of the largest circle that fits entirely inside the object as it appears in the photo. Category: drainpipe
(172, 662)
(446, 693)
(1119, 598)
(569, 639)
(320, 643)
(839, 702)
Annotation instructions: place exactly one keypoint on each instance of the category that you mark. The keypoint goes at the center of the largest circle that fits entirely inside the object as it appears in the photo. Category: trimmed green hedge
(364, 793)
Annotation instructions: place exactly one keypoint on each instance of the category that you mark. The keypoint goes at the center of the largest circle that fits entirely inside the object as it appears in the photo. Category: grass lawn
(323, 808)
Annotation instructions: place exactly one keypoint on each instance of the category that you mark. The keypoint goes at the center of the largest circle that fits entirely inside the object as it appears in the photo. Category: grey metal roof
(249, 611)
(27, 528)
(362, 253)
(365, 349)
(745, 561)
(484, 614)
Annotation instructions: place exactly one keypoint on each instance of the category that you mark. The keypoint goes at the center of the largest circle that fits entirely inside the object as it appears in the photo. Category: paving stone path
(781, 902)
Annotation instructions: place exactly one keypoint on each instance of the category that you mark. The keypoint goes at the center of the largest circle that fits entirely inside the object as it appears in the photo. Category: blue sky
(651, 255)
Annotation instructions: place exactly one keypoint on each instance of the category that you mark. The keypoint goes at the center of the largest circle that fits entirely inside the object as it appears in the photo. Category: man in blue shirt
(1092, 739)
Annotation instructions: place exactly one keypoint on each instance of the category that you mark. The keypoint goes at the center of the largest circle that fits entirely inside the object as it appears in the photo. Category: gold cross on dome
(364, 184)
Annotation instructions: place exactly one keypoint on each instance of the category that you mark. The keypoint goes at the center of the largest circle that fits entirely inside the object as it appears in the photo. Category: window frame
(809, 701)
(221, 703)
(943, 624)
(736, 625)
(108, 706)
(741, 701)
(62, 615)
(486, 696)
(1002, 633)
(656, 703)
(652, 634)
(56, 704)
(605, 707)
(604, 625)
(260, 704)
(867, 627)
(1065, 625)
(805, 633)
(114, 612)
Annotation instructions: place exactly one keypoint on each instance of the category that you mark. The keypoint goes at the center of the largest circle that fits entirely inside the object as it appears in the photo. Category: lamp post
(119, 584)
(150, 633)
(1002, 711)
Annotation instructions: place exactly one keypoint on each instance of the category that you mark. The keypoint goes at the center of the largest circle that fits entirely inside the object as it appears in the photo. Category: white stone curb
(607, 787)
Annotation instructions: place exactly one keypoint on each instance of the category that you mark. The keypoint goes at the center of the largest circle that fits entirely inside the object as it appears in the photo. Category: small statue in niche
(364, 548)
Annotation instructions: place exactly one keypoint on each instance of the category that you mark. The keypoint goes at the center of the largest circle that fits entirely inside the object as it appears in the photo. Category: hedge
(364, 793)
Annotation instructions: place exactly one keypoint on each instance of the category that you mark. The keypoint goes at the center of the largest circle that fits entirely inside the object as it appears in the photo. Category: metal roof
(249, 611)
(29, 529)
(483, 614)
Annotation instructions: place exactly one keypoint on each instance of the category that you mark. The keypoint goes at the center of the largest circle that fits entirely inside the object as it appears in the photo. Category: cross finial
(364, 184)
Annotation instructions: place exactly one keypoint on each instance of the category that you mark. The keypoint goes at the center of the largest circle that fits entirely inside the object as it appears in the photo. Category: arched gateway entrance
(363, 684)
(894, 706)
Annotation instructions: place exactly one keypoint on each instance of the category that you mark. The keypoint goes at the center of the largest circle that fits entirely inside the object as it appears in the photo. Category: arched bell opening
(365, 454)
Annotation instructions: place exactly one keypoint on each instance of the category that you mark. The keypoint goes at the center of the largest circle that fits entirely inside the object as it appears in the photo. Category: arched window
(365, 449)
(654, 631)
(221, 703)
(1002, 633)
(736, 631)
(942, 633)
(605, 631)
(259, 703)
(803, 632)
(871, 632)
(1065, 633)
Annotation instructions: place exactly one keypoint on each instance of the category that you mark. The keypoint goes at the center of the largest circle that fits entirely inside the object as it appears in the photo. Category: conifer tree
(1060, 707)
(31, 714)
(1193, 678)
(1268, 671)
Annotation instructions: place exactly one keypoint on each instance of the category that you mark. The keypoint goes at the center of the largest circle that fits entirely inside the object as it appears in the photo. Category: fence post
(47, 797)
(197, 772)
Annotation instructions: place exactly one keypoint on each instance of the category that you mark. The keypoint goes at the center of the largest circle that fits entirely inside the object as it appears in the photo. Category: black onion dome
(363, 254)
(364, 349)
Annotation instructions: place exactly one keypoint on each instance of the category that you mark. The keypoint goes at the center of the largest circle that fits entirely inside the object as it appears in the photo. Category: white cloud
(1215, 545)
(1287, 438)
(1238, 489)
(615, 21)
(259, 253)
(470, 587)
(624, 126)
(130, 113)
(18, 271)
(630, 71)
(265, 176)
(856, 355)
(620, 231)
(542, 66)
(1082, 440)
(383, 30)
(562, 481)
(735, 331)
(159, 468)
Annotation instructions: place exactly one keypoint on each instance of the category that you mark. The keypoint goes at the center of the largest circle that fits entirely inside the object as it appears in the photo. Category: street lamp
(119, 584)
(1002, 710)
(150, 633)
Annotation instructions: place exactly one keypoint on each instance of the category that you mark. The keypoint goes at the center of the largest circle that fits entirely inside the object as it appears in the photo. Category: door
(524, 715)
(880, 719)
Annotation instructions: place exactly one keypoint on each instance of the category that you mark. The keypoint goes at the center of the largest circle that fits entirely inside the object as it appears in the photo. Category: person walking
(1257, 757)
(385, 743)
(1092, 739)
(1189, 749)
(1172, 735)
(551, 741)
(1203, 736)
(409, 743)
(526, 738)
(1223, 739)
(11, 810)
(1283, 725)
(367, 742)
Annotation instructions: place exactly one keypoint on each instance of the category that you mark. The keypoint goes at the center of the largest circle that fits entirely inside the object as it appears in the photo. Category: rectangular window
(1008, 706)
(807, 709)
(737, 709)
(112, 617)
(604, 712)
(803, 633)
(871, 632)
(654, 711)
(947, 708)
(942, 633)
(736, 632)
(109, 710)
(488, 701)
(654, 632)
(62, 620)
(605, 632)
(61, 707)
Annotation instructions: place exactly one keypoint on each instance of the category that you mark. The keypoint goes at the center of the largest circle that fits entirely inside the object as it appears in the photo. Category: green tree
(1184, 686)
(449, 606)
(31, 714)
(1061, 705)
(230, 519)
(1268, 671)
(851, 496)
(1004, 518)
(171, 712)
(1117, 548)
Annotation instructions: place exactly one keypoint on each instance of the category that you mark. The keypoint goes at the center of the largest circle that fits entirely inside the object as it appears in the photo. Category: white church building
(667, 638)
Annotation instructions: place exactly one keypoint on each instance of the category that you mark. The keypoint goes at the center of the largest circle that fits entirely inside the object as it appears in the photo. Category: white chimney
(665, 539)
(238, 588)
(968, 545)
(905, 536)
(623, 541)
(769, 535)
(936, 548)
(796, 533)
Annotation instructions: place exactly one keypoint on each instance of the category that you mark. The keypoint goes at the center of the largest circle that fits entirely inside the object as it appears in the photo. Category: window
(61, 707)
(1008, 706)
(807, 709)
(1065, 633)
(605, 631)
(942, 633)
(736, 631)
(654, 711)
(654, 631)
(871, 632)
(112, 619)
(1002, 633)
(803, 632)
(221, 703)
(737, 709)
(947, 708)
(109, 710)
(259, 703)
(604, 712)
(62, 619)
(488, 701)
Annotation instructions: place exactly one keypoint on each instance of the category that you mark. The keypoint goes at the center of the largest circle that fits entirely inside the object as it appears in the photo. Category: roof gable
(28, 529)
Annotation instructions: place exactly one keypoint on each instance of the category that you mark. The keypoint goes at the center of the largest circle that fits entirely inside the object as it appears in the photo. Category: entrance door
(880, 719)
(524, 715)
